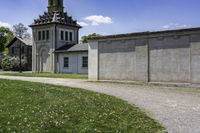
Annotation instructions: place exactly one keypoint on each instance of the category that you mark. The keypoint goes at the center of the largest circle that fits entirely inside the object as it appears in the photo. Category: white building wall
(75, 63)
(93, 72)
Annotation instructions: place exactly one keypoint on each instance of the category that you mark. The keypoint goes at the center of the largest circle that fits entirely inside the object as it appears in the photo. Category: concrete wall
(167, 57)
(115, 56)
(40, 46)
(75, 63)
(93, 61)
(141, 60)
(195, 58)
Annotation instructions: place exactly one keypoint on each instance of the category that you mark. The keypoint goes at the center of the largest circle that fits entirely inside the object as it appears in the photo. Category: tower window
(39, 35)
(70, 36)
(47, 35)
(66, 36)
(43, 35)
(62, 35)
(66, 61)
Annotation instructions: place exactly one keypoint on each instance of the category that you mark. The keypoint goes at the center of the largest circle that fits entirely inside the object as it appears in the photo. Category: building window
(39, 35)
(66, 36)
(70, 36)
(62, 35)
(66, 61)
(47, 35)
(22, 49)
(84, 61)
(43, 35)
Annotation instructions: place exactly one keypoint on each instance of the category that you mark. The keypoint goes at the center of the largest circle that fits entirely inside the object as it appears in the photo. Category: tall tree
(6, 36)
(84, 39)
(21, 31)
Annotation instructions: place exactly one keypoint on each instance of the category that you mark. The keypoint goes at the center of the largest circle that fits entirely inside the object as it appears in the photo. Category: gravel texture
(178, 109)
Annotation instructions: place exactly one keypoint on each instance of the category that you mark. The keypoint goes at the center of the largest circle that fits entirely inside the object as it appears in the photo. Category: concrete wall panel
(117, 60)
(195, 62)
(141, 62)
(169, 59)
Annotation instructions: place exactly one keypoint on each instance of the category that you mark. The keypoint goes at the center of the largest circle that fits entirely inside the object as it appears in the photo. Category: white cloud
(83, 24)
(99, 19)
(175, 26)
(3, 24)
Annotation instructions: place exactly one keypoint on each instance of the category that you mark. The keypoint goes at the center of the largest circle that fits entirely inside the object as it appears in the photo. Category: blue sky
(110, 16)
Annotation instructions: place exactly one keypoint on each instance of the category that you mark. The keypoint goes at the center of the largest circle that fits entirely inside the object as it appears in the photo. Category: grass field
(48, 75)
(35, 107)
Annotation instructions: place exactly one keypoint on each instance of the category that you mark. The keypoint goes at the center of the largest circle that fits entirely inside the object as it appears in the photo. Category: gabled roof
(27, 42)
(65, 47)
(79, 47)
(83, 47)
(55, 17)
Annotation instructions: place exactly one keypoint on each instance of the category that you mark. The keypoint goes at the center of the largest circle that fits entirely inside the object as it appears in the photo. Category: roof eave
(65, 51)
(144, 33)
(35, 25)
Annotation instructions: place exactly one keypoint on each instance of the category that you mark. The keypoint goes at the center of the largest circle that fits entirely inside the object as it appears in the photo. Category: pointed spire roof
(55, 17)
(55, 14)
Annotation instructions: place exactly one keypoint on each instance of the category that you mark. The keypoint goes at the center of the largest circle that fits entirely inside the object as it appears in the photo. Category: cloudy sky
(110, 16)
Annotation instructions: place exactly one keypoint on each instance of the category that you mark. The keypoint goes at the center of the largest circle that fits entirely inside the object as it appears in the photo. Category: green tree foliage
(0, 65)
(6, 63)
(6, 36)
(21, 31)
(12, 64)
(84, 39)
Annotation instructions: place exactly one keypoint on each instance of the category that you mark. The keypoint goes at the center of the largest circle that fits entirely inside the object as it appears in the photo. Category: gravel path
(178, 109)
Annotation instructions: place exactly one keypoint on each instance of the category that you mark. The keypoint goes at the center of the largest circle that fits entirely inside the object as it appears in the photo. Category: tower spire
(55, 5)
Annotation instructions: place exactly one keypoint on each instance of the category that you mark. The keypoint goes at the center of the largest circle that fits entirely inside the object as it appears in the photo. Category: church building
(56, 47)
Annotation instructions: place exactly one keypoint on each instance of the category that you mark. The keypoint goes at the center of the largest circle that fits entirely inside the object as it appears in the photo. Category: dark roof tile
(55, 17)
(73, 48)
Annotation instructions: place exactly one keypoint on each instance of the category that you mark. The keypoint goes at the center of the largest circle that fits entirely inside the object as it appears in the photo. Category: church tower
(53, 30)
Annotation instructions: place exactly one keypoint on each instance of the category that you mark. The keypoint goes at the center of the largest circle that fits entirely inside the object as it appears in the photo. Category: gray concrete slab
(178, 109)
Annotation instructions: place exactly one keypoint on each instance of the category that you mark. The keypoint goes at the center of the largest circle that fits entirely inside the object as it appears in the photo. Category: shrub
(6, 63)
(12, 64)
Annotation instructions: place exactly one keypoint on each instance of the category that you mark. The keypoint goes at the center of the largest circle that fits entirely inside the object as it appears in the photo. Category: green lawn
(34, 107)
(48, 75)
